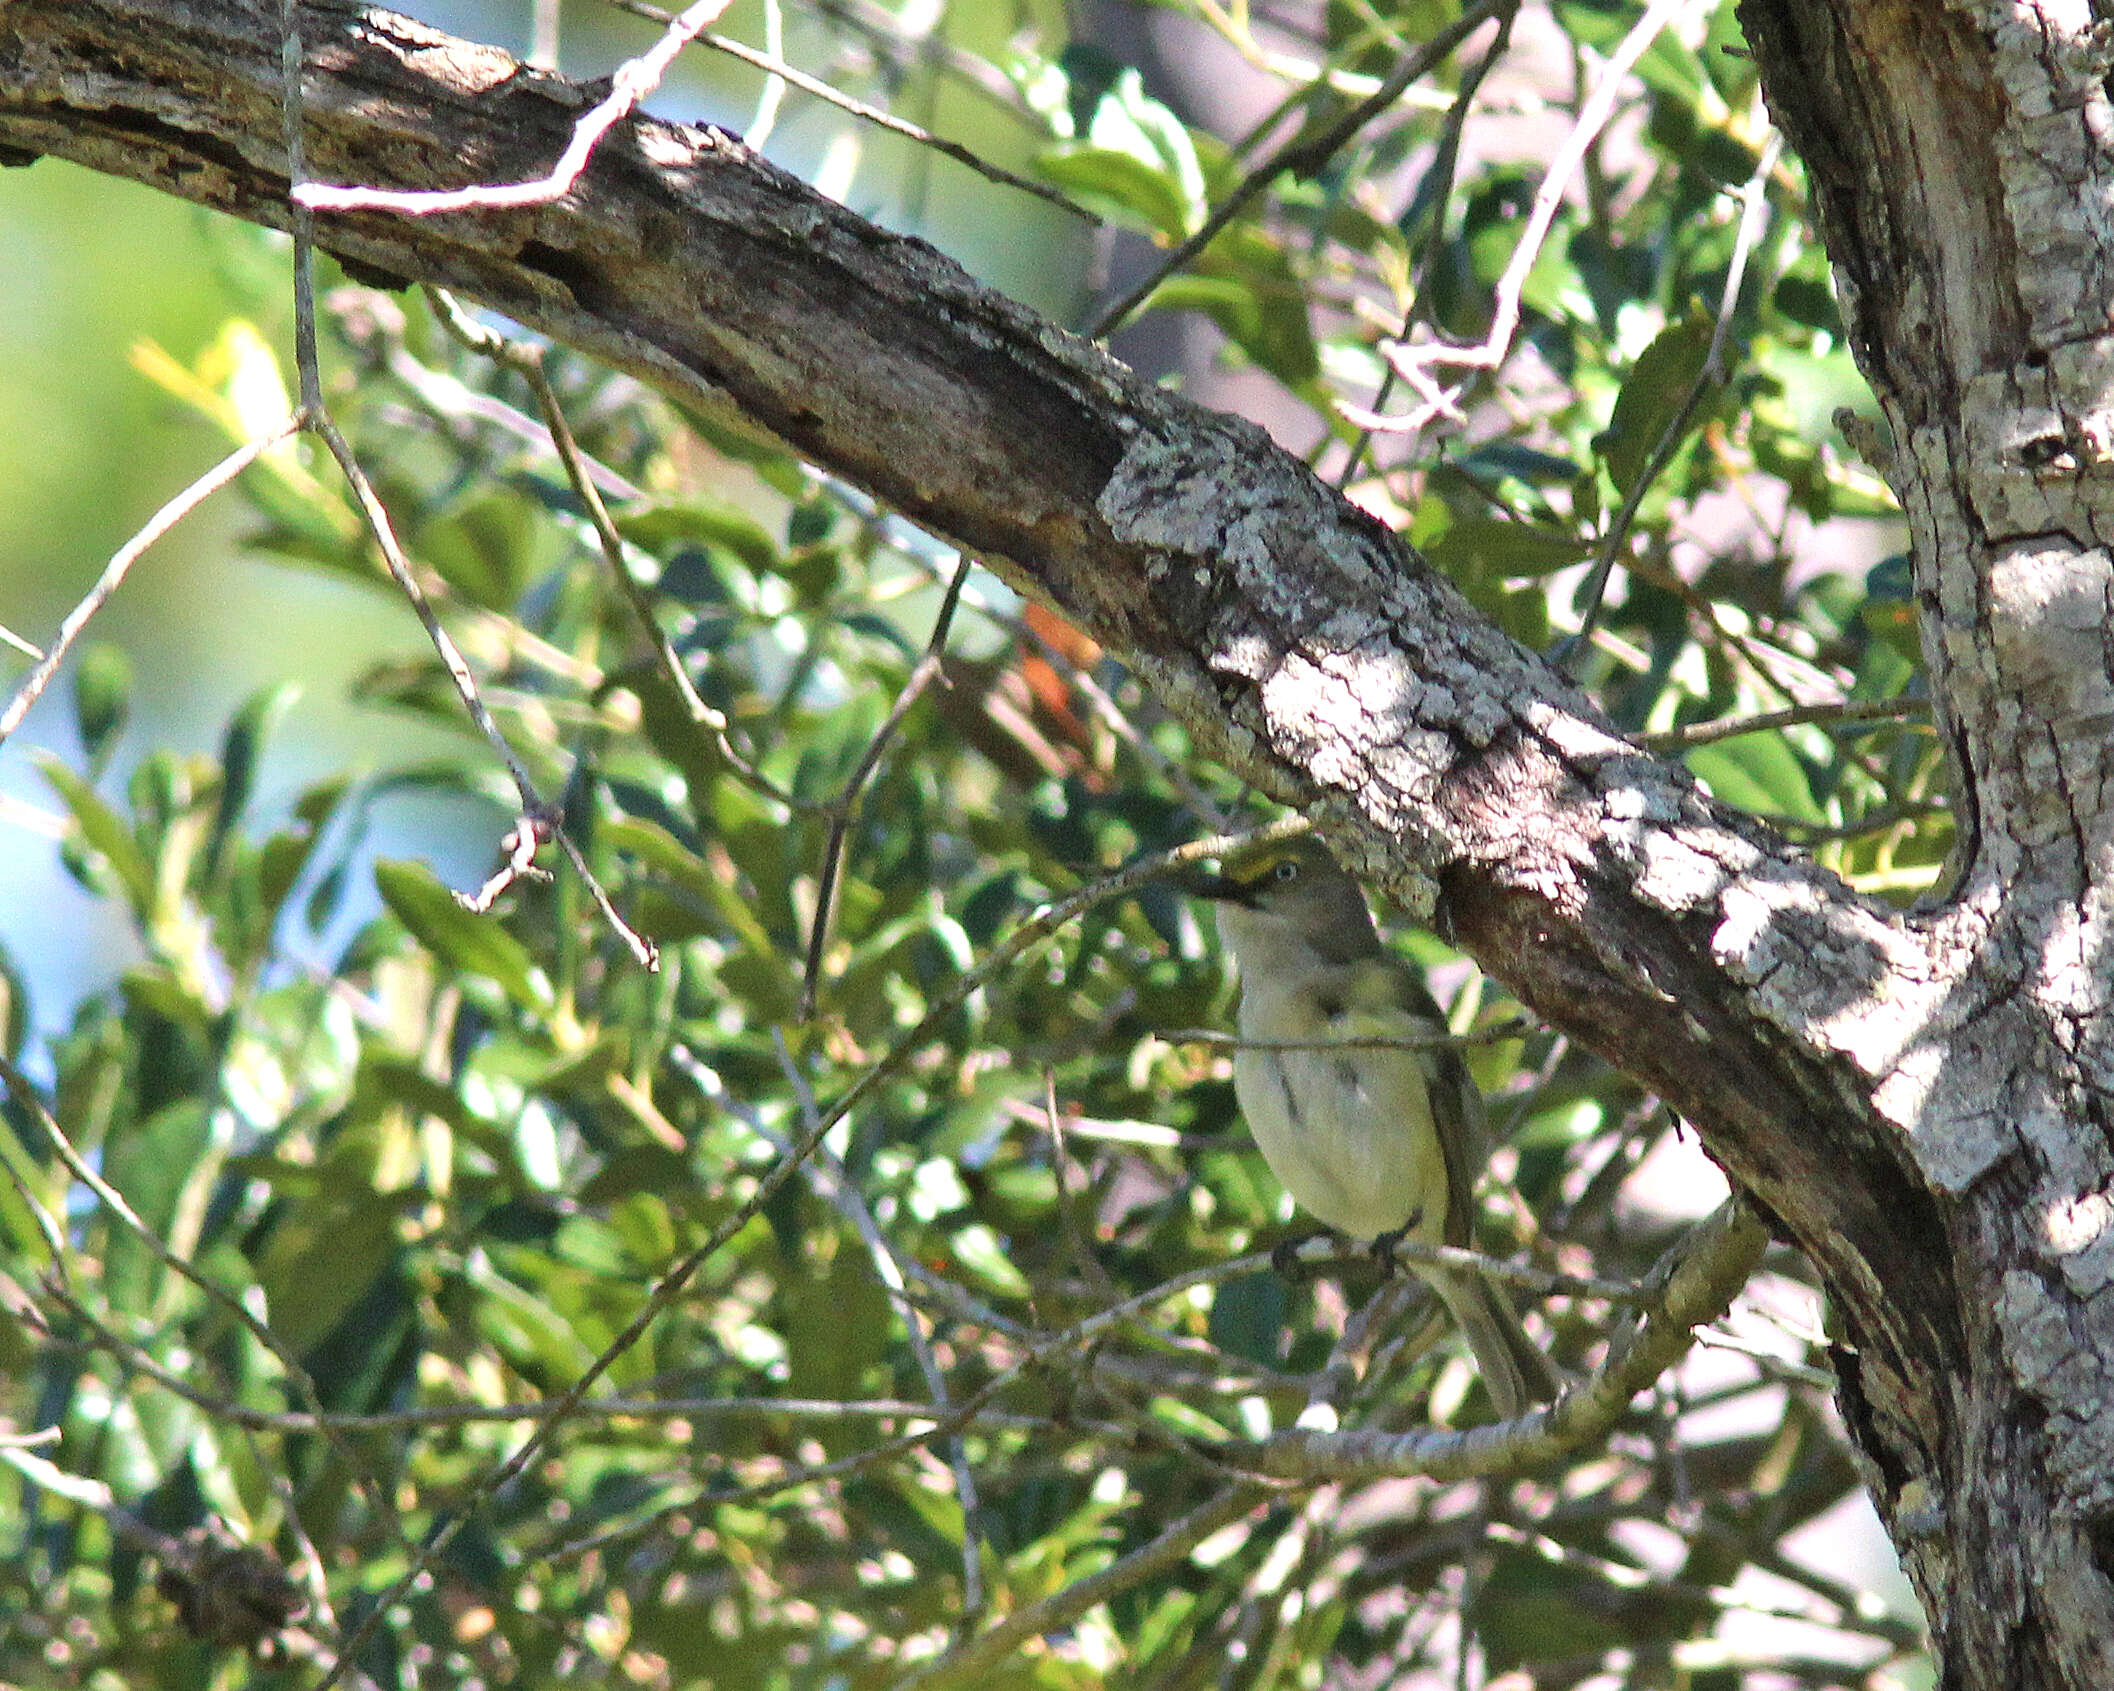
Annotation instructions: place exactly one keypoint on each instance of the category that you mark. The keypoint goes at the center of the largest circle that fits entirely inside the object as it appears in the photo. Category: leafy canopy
(391, 1164)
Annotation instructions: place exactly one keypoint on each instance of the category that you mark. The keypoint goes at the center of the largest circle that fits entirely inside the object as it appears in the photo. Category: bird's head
(1296, 888)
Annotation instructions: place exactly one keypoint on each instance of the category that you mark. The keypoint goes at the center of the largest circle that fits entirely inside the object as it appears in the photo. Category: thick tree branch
(1298, 638)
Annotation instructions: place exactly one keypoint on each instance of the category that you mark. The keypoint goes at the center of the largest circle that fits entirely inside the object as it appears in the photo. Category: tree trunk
(1960, 168)
(1921, 1102)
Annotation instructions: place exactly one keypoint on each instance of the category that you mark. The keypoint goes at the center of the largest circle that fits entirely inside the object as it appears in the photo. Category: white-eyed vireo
(1375, 1141)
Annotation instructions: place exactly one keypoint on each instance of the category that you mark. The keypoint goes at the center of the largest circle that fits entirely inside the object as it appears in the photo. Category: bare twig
(1032, 932)
(1438, 184)
(1304, 154)
(974, 1663)
(834, 1183)
(33, 684)
(1415, 364)
(633, 81)
(526, 360)
(1098, 698)
(1843, 712)
(302, 1387)
(844, 808)
(773, 65)
(1754, 199)
(539, 820)
(1543, 1282)
(758, 134)
(522, 842)
(228, 1411)
(1510, 1028)
(1886, 816)
(1060, 1164)
(1693, 1283)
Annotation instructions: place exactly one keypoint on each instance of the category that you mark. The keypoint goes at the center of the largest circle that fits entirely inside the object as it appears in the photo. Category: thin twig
(33, 684)
(974, 1663)
(1437, 182)
(1754, 199)
(1887, 816)
(538, 815)
(633, 81)
(772, 65)
(1415, 363)
(1543, 1282)
(1090, 1267)
(973, 1410)
(1769, 1363)
(1098, 698)
(1510, 1028)
(539, 820)
(1039, 1350)
(536, 812)
(833, 1182)
(1305, 154)
(526, 360)
(1027, 935)
(1693, 1282)
(758, 134)
(228, 1411)
(301, 1386)
(1843, 712)
(845, 807)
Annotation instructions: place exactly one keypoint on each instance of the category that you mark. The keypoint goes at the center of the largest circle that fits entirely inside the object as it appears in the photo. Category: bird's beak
(1221, 889)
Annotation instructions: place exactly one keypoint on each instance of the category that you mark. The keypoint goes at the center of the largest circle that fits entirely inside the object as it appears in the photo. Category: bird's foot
(1285, 1261)
(1383, 1248)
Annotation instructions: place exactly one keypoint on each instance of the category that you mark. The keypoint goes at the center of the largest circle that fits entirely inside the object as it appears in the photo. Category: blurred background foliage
(357, 1167)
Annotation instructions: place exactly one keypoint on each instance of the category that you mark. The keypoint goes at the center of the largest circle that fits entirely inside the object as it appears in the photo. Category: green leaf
(102, 698)
(1119, 184)
(658, 849)
(1658, 386)
(1248, 1317)
(461, 939)
(240, 750)
(982, 1253)
(104, 833)
(1757, 772)
(485, 547)
(837, 1325)
(321, 1259)
(1486, 548)
(280, 861)
(14, 1006)
(711, 522)
(536, 1335)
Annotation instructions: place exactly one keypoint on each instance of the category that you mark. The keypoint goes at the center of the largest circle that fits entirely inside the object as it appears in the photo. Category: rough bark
(1920, 1101)
(1960, 166)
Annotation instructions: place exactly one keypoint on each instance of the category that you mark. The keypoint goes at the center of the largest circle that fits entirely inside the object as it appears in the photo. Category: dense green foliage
(386, 1158)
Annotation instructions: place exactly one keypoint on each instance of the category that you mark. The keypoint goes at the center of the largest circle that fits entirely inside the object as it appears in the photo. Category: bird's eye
(1287, 870)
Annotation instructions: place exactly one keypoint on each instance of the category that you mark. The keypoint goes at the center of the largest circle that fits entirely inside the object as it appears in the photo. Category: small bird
(1379, 1142)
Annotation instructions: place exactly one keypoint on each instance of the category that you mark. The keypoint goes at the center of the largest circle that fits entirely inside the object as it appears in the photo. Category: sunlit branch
(1693, 1283)
(633, 81)
(773, 65)
(1415, 364)
(31, 688)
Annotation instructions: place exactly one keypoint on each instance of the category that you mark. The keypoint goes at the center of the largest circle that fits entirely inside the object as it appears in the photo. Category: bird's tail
(1515, 1373)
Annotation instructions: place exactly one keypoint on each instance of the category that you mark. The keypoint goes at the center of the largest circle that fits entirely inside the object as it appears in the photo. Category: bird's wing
(1383, 996)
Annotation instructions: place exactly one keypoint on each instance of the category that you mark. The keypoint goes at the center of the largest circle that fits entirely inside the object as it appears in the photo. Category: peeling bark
(1923, 1102)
